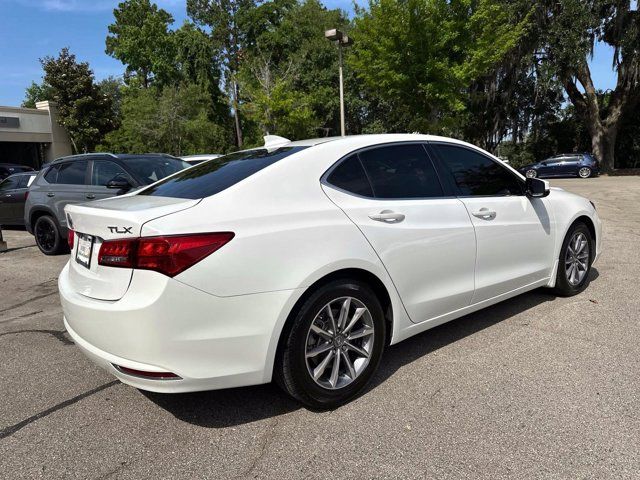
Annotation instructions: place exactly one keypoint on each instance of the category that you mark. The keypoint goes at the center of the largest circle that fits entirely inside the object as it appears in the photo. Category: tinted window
(401, 171)
(72, 173)
(151, 169)
(350, 176)
(9, 184)
(476, 174)
(23, 181)
(52, 174)
(105, 170)
(216, 175)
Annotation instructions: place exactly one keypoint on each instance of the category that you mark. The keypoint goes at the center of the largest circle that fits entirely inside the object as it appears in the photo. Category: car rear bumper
(163, 325)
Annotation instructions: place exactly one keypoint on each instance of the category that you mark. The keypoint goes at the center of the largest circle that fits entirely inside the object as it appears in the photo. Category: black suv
(582, 165)
(7, 169)
(82, 178)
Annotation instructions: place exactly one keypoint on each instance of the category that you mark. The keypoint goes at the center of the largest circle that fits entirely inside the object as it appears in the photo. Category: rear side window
(72, 173)
(211, 177)
(401, 171)
(350, 176)
(23, 181)
(476, 174)
(51, 176)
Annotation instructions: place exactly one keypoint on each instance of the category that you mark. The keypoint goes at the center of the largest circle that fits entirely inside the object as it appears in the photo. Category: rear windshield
(215, 175)
(152, 169)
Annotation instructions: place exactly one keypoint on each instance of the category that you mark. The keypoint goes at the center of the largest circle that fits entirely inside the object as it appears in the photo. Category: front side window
(401, 171)
(72, 173)
(105, 170)
(476, 174)
(211, 177)
(152, 169)
(8, 184)
(350, 176)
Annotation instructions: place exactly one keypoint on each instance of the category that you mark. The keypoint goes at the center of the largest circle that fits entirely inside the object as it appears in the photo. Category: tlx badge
(120, 230)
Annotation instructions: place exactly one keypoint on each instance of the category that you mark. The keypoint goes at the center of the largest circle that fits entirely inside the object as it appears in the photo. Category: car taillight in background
(71, 238)
(169, 255)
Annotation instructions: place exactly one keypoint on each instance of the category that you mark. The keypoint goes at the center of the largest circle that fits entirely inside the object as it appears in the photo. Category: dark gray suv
(82, 178)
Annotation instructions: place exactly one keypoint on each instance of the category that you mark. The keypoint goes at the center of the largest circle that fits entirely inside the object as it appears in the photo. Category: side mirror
(119, 184)
(536, 188)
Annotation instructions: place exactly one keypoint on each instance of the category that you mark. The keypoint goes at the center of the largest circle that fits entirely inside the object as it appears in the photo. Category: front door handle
(51, 194)
(485, 214)
(387, 216)
(90, 196)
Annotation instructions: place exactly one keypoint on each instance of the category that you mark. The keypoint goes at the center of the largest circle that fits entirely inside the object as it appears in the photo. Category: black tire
(47, 235)
(563, 286)
(291, 372)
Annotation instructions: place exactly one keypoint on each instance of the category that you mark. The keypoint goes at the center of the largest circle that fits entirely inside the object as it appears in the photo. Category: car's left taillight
(169, 255)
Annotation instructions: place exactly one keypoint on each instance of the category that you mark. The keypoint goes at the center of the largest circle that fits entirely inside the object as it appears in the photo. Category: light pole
(341, 40)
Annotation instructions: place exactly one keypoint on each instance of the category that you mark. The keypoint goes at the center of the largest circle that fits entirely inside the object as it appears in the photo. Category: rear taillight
(71, 238)
(168, 255)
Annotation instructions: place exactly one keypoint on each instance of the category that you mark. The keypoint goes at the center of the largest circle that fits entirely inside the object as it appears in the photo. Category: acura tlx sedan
(300, 261)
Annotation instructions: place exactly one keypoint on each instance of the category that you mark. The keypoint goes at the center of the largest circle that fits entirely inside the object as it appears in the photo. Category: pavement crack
(10, 430)
(58, 334)
(32, 299)
(268, 437)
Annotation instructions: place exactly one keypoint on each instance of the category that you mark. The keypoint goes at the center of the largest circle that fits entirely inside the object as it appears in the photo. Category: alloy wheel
(531, 174)
(576, 259)
(339, 343)
(46, 235)
(584, 172)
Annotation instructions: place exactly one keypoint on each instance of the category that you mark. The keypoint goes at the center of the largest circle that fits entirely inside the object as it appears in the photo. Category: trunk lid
(95, 222)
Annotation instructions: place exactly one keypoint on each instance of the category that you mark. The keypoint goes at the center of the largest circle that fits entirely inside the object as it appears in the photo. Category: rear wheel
(575, 260)
(584, 172)
(47, 235)
(334, 345)
(531, 173)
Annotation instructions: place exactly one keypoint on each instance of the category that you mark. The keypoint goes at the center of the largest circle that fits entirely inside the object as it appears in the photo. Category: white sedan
(300, 261)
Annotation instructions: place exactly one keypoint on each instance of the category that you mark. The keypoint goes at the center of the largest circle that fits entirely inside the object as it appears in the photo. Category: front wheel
(334, 345)
(531, 173)
(584, 172)
(574, 265)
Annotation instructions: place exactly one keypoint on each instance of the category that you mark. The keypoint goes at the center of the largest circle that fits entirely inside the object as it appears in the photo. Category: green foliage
(36, 92)
(85, 110)
(140, 38)
(173, 120)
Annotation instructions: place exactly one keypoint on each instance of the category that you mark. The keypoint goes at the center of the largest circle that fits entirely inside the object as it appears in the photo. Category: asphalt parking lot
(537, 386)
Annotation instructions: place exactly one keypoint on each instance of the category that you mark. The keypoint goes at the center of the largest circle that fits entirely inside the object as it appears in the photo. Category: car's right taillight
(169, 255)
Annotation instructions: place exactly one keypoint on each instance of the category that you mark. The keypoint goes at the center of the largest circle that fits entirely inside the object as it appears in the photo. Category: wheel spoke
(319, 349)
(333, 320)
(333, 380)
(358, 350)
(349, 364)
(319, 331)
(363, 332)
(344, 312)
(322, 366)
(356, 316)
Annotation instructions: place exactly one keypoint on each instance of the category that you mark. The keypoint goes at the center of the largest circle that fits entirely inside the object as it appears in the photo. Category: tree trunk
(236, 114)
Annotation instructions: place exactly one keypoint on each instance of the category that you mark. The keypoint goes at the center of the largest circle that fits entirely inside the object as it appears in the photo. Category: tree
(569, 31)
(84, 109)
(36, 92)
(140, 38)
(226, 19)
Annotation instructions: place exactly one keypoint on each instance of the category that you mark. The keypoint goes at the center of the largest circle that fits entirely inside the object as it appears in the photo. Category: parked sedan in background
(582, 165)
(302, 261)
(13, 194)
(7, 169)
(81, 178)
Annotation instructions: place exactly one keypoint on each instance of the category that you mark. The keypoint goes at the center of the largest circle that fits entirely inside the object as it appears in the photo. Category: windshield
(152, 169)
(215, 175)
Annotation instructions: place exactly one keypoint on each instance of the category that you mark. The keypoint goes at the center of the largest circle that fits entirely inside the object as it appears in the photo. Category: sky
(32, 29)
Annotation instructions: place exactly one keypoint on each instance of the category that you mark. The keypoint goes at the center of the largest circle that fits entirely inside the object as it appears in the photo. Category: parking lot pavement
(534, 387)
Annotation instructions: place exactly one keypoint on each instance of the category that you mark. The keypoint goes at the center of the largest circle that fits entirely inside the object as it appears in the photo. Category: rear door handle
(90, 196)
(387, 216)
(485, 214)
(51, 194)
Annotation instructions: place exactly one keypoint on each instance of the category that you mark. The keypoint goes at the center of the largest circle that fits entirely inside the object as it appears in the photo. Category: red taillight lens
(70, 238)
(118, 253)
(168, 255)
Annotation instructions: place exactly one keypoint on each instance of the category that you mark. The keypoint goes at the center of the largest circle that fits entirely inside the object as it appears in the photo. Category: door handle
(90, 196)
(387, 216)
(485, 214)
(51, 194)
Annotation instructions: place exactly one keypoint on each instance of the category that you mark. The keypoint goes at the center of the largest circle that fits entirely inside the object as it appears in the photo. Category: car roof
(118, 156)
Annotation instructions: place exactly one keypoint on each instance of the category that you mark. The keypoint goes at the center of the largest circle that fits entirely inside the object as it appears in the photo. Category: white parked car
(197, 159)
(301, 261)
